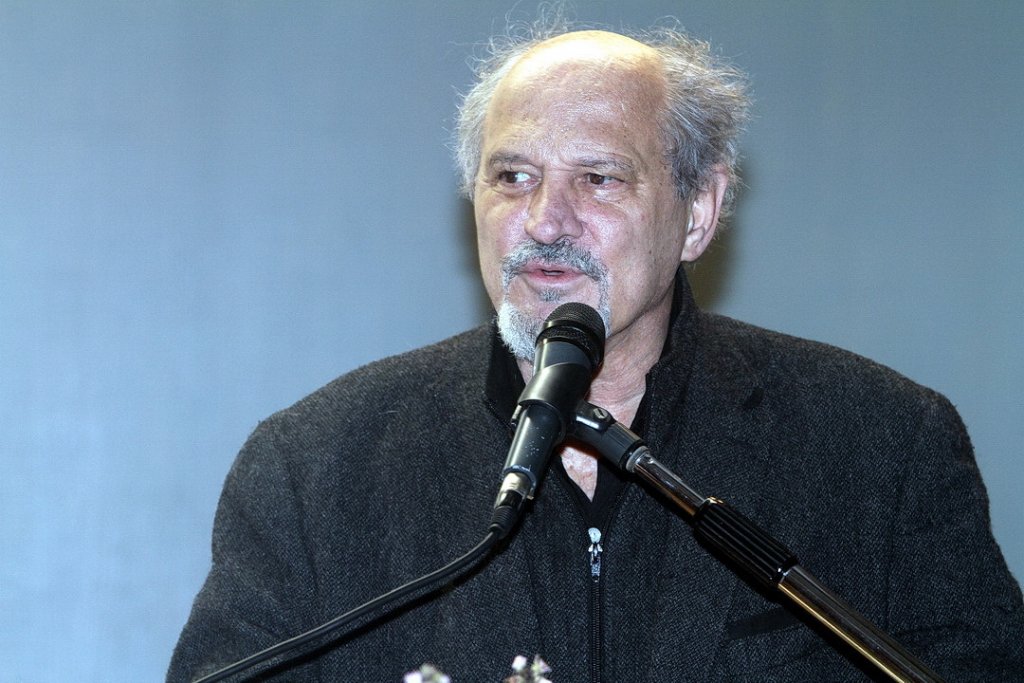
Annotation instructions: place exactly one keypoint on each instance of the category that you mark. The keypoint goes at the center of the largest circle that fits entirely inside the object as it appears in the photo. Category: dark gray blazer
(390, 472)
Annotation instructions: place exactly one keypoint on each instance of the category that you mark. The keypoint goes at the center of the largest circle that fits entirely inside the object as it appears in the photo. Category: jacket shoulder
(396, 386)
(800, 368)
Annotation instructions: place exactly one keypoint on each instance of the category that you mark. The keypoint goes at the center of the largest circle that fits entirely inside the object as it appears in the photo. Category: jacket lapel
(713, 433)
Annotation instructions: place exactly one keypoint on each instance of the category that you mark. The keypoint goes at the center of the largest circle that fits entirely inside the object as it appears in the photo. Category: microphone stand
(766, 560)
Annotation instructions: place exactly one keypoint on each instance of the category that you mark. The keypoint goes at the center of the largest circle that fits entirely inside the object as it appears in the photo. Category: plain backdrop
(209, 209)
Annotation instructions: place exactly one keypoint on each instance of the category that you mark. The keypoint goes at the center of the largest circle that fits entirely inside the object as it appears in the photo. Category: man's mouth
(550, 270)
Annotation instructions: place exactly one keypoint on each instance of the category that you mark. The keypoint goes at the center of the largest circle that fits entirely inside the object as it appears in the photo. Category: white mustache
(562, 253)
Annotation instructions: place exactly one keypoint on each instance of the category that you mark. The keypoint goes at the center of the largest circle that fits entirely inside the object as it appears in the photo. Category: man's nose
(552, 213)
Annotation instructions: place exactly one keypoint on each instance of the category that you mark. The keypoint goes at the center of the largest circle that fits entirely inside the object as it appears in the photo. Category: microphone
(570, 348)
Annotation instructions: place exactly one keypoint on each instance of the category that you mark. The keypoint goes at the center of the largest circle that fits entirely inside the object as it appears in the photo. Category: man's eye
(598, 179)
(513, 177)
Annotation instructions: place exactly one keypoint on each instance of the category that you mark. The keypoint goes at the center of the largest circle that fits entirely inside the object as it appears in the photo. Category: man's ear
(704, 211)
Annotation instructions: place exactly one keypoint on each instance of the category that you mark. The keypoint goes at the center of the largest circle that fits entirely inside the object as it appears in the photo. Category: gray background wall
(208, 209)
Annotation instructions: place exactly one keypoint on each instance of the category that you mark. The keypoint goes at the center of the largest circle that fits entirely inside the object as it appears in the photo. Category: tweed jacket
(390, 472)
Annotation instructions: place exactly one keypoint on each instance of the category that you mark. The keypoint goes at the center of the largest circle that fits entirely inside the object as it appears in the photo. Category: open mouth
(550, 270)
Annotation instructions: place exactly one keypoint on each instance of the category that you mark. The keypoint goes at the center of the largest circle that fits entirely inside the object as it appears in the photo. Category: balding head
(702, 105)
(598, 48)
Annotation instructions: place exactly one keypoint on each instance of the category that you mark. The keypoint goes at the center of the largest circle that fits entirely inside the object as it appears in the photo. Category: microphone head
(578, 324)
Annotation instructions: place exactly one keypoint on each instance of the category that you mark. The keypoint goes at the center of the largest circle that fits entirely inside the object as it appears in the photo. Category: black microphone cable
(449, 570)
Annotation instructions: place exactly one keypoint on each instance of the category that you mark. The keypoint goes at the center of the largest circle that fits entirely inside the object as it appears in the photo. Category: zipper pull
(595, 552)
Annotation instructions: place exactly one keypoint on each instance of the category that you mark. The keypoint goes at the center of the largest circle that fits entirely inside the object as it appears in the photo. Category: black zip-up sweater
(390, 471)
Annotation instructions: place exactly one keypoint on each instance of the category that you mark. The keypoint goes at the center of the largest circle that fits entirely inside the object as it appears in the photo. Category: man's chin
(519, 329)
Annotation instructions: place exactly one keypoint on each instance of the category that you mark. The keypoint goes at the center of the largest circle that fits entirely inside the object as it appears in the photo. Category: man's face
(574, 199)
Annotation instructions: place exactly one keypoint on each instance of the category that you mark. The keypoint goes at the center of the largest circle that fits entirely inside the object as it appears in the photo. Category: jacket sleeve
(260, 589)
(952, 599)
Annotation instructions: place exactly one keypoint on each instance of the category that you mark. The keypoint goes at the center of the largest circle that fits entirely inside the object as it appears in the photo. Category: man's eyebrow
(501, 158)
(607, 164)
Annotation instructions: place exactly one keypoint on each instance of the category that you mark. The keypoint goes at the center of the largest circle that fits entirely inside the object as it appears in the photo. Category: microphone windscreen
(578, 324)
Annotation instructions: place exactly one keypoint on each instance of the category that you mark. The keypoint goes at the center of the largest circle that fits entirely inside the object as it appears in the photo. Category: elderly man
(597, 164)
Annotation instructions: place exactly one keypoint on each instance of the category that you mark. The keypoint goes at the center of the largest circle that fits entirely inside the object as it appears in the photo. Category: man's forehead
(582, 86)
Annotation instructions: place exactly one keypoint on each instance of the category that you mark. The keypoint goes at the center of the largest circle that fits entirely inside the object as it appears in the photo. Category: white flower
(426, 674)
(532, 673)
(525, 672)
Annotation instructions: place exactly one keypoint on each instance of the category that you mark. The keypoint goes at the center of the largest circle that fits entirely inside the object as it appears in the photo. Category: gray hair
(705, 109)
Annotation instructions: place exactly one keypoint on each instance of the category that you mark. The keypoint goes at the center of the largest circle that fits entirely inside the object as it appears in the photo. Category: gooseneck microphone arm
(753, 550)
